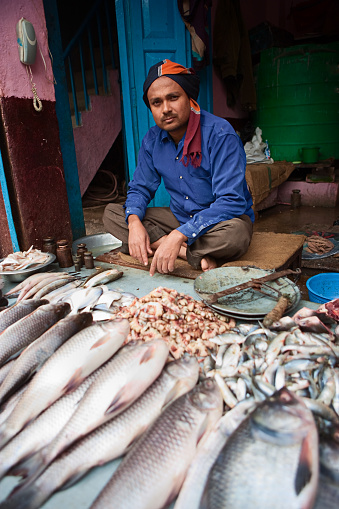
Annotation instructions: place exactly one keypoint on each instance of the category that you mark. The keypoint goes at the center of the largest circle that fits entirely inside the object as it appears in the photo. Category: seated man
(202, 163)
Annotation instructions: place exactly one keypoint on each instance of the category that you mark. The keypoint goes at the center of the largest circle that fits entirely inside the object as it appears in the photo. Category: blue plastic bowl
(323, 287)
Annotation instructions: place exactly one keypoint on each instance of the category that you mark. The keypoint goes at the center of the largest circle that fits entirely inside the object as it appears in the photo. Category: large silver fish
(271, 460)
(14, 313)
(4, 370)
(8, 407)
(208, 451)
(151, 474)
(328, 489)
(30, 327)
(35, 355)
(124, 379)
(41, 431)
(112, 439)
(64, 371)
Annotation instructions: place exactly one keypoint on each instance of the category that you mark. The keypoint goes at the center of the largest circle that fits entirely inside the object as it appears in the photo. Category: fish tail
(29, 498)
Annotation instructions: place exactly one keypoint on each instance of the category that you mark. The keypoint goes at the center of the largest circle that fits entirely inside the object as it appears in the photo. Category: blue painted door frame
(63, 113)
(148, 32)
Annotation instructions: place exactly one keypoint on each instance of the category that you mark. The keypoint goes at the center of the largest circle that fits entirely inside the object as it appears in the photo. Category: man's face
(170, 106)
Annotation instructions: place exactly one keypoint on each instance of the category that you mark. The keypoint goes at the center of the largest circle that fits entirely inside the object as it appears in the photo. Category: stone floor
(277, 219)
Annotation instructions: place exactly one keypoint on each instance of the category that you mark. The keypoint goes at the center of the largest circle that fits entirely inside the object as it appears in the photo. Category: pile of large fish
(253, 424)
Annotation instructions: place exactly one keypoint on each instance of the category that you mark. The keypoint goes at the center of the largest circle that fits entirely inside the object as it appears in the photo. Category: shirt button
(177, 158)
(194, 234)
(180, 177)
(192, 216)
(127, 211)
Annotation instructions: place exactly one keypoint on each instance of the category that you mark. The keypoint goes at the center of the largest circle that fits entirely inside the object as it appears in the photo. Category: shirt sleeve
(146, 180)
(232, 198)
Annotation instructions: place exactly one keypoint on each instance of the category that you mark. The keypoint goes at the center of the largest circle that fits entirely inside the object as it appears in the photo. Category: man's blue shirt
(199, 197)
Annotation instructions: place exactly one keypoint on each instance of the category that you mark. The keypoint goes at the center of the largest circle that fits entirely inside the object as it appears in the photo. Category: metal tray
(98, 243)
(248, 303)
(19, 275)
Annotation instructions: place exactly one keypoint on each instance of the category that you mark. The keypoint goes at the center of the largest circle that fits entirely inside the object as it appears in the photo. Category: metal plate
(98, 244)
(314, 256)
(19, 275)
(247, 303)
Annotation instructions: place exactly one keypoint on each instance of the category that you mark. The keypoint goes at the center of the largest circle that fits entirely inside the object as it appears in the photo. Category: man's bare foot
(208, 263)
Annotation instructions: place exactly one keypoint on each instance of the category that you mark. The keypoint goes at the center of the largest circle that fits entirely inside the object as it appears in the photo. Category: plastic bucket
(323, 287)
(298, 100)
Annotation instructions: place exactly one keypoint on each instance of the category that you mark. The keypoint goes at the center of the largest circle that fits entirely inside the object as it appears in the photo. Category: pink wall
(14, 81)
(100, 127)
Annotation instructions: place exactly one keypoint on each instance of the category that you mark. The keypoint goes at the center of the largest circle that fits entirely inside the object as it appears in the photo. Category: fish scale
(17, 311)
(44, 428)
(124, 379)
(27, 329)
(40, 350)
(263, 455)
(111, 440)
(64, 371)
(152, 472)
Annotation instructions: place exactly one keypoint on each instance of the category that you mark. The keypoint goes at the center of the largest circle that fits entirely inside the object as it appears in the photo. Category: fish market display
(64, 371)
(35, 355)
(41, 431)
(13, 313)
(147, 479)
(245, 435)
(112, 439)
(23, 259)
(274, 453)
(122, 381)
(207, 452)
(21, 333)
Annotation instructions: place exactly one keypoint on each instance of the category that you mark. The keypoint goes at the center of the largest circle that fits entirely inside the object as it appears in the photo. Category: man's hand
(138, 240)
(166, 254)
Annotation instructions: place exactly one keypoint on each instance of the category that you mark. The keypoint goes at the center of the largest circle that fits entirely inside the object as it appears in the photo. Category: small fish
(147, 479)
(227, 338)
(30, 327)
(53, 285)
(32, 280)
(107, 276)
(83, 297)
(229, 363)
(64, 371)
(14, 313)
(55, 295)
(35, 355)
(274, 347)
(29, 291)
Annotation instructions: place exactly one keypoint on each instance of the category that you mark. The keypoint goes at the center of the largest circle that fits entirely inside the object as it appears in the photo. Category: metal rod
(83, 74)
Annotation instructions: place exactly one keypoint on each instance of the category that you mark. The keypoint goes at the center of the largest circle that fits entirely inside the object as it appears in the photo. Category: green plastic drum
(298, 100)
